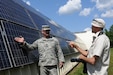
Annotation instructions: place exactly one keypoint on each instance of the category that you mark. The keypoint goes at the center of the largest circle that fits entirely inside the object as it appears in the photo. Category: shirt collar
(96, 34)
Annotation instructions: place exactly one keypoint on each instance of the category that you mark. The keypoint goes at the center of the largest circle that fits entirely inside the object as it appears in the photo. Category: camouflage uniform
(50, 54)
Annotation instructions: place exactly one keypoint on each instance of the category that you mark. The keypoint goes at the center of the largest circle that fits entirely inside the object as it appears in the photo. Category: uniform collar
(45, 39)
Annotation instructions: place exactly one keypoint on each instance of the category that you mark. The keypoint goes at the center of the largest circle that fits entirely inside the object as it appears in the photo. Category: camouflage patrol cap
(45, 27)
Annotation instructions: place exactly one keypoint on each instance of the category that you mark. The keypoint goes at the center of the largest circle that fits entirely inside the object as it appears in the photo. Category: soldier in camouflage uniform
(50, 53)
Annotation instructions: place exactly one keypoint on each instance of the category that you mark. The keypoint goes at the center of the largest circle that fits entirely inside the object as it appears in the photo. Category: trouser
(48, 70)
(85, 67)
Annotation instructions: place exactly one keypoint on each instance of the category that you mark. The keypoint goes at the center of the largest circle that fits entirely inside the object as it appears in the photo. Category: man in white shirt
(98, 56)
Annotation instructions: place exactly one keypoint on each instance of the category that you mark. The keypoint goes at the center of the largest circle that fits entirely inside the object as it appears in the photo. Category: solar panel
(39, 21)
(9, 10)
(19, 56)
(4, 55)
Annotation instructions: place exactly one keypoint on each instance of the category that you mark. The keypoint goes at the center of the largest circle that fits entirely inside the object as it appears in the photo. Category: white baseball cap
(98, 22)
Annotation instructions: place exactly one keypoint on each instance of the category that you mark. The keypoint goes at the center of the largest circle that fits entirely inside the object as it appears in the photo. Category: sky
(75, 15)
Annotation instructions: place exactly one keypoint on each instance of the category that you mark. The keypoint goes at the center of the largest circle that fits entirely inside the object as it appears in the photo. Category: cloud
(105, 7)
(27, 2)
(96, 15)
(70, 7)
(85, 12)
(103, 4)
(107, 14)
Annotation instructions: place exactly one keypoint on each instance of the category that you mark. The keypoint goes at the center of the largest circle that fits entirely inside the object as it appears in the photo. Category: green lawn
(110, 70)
(78, 70)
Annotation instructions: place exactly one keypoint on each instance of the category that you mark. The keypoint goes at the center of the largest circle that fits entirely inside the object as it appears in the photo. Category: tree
(110, 34)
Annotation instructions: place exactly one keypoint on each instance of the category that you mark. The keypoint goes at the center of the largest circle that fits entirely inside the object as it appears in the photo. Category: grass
(78, 69)
(110, 70)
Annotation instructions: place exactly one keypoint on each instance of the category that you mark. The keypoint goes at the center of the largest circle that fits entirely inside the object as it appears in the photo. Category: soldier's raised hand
(19, 39)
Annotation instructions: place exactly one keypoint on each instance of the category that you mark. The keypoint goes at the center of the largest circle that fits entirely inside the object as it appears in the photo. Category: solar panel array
(14, 12)
(18, 56)
(4, 56)
(16, 20)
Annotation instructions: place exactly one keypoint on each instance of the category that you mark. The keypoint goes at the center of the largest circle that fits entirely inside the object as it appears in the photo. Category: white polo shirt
(100, 47)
